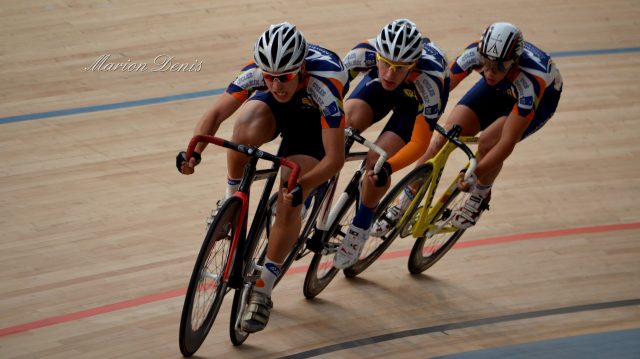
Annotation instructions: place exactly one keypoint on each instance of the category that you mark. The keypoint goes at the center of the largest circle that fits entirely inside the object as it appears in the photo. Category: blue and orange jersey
(428, 80)
(325, 79)
(535, 72)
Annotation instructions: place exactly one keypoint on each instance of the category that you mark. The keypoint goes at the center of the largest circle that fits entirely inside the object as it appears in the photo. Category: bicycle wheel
(254, 254)
(321, 270)
(427, 251)
(375, 246)
(207, 288)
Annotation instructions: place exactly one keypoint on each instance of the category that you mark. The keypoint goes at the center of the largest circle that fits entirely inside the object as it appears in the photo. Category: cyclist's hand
(293, 198)
(382, 177)
(185, 167)
(465, 185)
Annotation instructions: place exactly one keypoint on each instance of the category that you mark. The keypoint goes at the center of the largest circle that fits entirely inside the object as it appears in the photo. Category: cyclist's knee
(254, 128)
(359, 114)
(464, 117)
(251, 133)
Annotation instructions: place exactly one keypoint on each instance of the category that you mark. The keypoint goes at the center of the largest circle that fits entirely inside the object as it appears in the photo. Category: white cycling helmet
(400, 41)
(501, 41)
(280, 49)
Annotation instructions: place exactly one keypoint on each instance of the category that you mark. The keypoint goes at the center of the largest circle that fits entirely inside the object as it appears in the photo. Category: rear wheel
(208, 286)
(427, 251)
(321, 270)
(376, 245)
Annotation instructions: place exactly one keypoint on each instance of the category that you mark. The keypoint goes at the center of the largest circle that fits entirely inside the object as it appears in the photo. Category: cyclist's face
(282, 86)
(495, 71)
(392, 74)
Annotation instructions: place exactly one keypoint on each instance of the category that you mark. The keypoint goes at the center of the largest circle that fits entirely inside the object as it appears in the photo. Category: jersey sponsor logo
(370, 58)
(249, 79)
(307, 102)
(350, 61)
(409, 93)
(468, 59)
(317, 87)
(525, 90)
(333, 110)
(522, 84)
(425, 84)
(431, 110)
(526, 101)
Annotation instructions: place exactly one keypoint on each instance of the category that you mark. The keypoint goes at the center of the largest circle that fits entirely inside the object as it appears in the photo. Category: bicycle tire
(423, 256)
(321, 270)
(218, 237)
(255, 252)
(375, 246)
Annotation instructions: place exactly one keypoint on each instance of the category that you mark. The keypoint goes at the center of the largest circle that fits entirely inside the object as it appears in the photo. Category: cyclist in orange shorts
(403, 73)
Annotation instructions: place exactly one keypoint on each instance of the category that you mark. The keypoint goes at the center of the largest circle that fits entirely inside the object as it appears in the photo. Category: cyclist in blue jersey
(518, 92)
(404, 74)
(294, 89)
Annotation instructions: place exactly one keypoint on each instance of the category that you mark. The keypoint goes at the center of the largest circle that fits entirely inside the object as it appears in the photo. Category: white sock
(405, 198)
(270, 273)
(481, 190)
(232, 186)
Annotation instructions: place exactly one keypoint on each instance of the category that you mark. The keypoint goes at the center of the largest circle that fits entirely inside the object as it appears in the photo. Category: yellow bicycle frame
(428, 212)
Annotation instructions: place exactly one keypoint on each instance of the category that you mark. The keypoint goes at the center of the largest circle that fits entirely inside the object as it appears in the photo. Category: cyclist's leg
(395, 135)
(470, 212)
(358, 113)
(287, 220)
(468, 114)
(255, 125)
(302, 143)
(493, 133)
(368, 104)
(461, 115)
(391, 143)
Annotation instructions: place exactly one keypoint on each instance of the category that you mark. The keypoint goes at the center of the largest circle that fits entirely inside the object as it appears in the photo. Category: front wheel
(256, 250)
(376, 245)
(208, 286)
(321, 270)
(427, 251)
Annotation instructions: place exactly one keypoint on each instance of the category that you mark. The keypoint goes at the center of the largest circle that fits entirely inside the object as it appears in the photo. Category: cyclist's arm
(333, 141)
(409, 153)
(464, 64)
(360, 59)
(512, 131)
(210, 122)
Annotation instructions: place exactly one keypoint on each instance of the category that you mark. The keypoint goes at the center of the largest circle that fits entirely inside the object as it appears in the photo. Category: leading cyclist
(294, 89)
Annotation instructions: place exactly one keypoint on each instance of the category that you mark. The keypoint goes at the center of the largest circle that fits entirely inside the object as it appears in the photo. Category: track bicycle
(322, 218)
(428, 221)
(226, 258)
(245, 272)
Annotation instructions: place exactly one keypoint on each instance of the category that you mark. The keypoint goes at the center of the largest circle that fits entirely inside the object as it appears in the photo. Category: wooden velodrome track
(99, 232)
